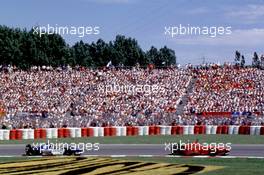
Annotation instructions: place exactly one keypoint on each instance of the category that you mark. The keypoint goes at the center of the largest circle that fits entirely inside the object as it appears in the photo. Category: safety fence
(49, 133)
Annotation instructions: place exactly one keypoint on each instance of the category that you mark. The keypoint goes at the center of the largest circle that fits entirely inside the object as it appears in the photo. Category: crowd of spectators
(81, 97)
(187, 119)
(46, 97)
(227, 89)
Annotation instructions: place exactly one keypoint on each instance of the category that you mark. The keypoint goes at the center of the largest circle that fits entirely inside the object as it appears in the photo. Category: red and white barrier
(143, 130)
(191, 129)
(177, 130)
(1, 134)
(230, 129)
(4, 134)
(154, 130)
(208, 129)
(95, 131)
(110, 131)
(49, 133)
(24, 134)
(165, 130)
(40, 133)
(213, 129)
(75, 132)
(185, 130)
(120, 130)
(256, 130)
(236, 129)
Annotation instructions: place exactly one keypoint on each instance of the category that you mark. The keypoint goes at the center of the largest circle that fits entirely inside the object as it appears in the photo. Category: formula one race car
(195, 148)
(48, 150)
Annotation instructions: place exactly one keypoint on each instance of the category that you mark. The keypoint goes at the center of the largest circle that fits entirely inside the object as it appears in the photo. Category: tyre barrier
(15, 134)
(262, 131)
(87, 132)
(129, 130)
(245, 130)
(213, 129)
(191, 129)
(196, 129)
(1, 135)
(235, 130)
(40, 133)
(84, 132)
(177, 130)
(200, 129)
(230, 129)
(257, 130)
(224, 129)
(121, 131)
(154, 130)
(143, 130)
(4, 134)
(109, 131)
(26, 134)
(49, 133)
(95, 131)
(185, 130)
(63, 132)
(208, 129)
(165, 130)
(75, 132)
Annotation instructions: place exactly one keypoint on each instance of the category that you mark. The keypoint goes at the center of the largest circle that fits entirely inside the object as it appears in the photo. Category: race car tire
(29, 150)
(68, 152)
(212, 152)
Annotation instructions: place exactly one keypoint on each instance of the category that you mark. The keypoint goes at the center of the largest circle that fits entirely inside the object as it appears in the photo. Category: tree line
(24, 49)
(257, 61)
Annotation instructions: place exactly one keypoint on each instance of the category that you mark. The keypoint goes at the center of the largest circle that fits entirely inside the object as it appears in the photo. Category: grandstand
(57, 98)
(44, 98)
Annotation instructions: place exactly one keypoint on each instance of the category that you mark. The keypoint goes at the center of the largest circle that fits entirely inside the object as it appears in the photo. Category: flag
(109, 64)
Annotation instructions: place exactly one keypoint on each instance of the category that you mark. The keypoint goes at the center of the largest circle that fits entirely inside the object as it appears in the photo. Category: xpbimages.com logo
(60, 146)
(196, 147)
(79, 31)
(211, 31)
(131, 89)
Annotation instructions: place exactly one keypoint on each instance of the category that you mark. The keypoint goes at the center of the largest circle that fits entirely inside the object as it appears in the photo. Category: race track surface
(245, 150)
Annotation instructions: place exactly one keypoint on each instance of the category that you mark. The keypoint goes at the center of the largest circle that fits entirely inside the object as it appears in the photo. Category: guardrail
(49, 133)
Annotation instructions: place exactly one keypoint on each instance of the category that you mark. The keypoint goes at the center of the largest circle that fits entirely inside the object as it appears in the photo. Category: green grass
(239, 166)
(234, 139)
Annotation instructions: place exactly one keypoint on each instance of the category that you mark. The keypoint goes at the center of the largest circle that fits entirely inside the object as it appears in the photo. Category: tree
(81, 54)
(243, 61)
(152, 55)
(100, 53)
(262, 61)
(128, 52)
(167, 57)
(10, 42)
(25, 49)
(255, 60)
(237, 58)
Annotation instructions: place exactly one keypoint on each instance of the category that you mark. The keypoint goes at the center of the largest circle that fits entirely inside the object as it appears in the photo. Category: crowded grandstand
(46, 97)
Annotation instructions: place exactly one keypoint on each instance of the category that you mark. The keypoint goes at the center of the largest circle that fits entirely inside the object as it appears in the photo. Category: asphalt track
(243, 150)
